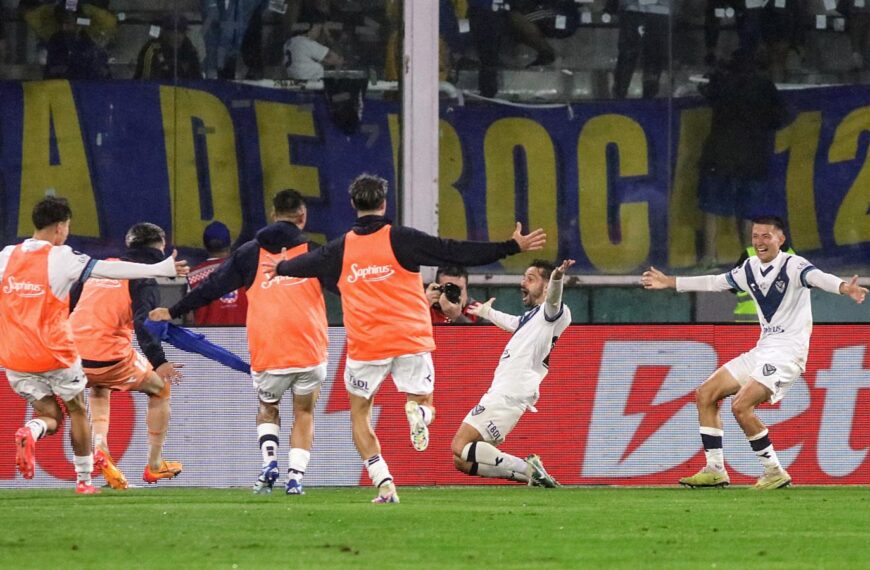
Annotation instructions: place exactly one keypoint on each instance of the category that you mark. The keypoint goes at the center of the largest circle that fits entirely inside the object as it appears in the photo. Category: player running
(287, 335)
(37, 350)
(780, 284)
(523, 366)
(105, 314)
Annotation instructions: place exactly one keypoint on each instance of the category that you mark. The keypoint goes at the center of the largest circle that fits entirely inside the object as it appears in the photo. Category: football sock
(378, 470)
(37, 428)
(482, 452)
(484, 470)
(268, 435)
(157, 420)
(98, 406)
(84, 466)
(712, 440)
(426, 413)
(764, 451)
(298, 463)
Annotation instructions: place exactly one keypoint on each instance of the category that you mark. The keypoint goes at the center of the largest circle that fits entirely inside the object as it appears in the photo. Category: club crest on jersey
(478, 409)
(370, 273)
(780, 285)
(23, 288)
(769, 369)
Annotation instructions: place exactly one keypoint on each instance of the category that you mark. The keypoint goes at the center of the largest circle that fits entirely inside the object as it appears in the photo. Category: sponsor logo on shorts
(769, 369)
(266, 395)
(23, 288)
(493, 430)
(357, 383)
(477, 410)
(370, 273)
(506, 354)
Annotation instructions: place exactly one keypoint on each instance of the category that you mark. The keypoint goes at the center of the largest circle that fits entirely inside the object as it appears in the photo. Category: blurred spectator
(171, 55)
(304, 55)
(644, 31)
(782, 30)
(94, 17)
(533, 21)
(232, 308)
(857, 13)
(488, 20)
(225, 23)
(747, 111)
(712, 25)
(441, 307)
(71, 51)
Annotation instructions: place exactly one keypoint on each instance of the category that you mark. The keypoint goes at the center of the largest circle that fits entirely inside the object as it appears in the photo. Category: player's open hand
(170, 372)
(481, 309)
(181, 266)
(160, 314)
(532, 241)
(563, 269)
(854, 290)
(655, 279)
(270, 265)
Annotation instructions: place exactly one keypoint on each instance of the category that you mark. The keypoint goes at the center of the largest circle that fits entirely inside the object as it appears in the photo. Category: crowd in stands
(311, 39)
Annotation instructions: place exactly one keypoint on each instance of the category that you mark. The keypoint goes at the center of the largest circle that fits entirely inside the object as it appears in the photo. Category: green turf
(474, 527)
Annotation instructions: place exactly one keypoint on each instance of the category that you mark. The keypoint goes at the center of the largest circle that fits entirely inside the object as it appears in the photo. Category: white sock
(268, 436)
(378, 470)
(37, 428)
(482, 452)
(84, 466)
(484, 470)
(712, 441)
(763, 449)
(426, 413)
(298, 462)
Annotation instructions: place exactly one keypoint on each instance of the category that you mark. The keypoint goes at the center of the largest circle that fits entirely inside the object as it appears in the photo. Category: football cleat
(294, 487)
(86, 488)
(538, 476)
(266, 480)
(773, 479)
(387, 494)
(419, 430)
(167, 470)
(113, 476)
(25, 452)
(707, 477)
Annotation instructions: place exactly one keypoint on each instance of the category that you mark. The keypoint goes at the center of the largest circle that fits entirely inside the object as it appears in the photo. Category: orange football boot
(113, 476)
(83, 488)
(25, 452)
(168, 470)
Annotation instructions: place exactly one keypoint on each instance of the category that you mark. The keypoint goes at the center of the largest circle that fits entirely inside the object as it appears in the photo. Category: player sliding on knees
(523, 366)
(780, 284)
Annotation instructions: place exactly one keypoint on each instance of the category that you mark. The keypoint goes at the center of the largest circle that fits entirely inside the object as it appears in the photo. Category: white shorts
(66, 383)
(772, 369)
(495, 417)
(412, 374)
(271, 384)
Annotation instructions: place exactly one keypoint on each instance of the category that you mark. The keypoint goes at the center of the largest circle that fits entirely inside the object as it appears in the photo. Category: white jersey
(525, 360)
(782, 300)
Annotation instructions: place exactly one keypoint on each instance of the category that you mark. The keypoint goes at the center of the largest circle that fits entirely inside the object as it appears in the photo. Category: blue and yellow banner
(613, 183)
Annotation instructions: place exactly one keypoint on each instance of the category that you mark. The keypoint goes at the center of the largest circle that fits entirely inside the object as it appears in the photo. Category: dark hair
(144, 234)
(288, 202)
(368, 192)
(451, 271)
(546, 267)
(774, 221)
(50, 210)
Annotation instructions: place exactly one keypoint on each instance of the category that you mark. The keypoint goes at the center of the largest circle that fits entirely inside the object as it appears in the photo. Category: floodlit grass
(441, 527)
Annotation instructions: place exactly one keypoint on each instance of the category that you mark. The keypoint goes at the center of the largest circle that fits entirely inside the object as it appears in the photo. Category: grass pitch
(443, 527)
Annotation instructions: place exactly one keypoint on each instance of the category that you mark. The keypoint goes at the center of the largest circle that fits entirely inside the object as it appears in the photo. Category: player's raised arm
(553, 302)
(532, 241)
(169, 267)
(852, 289)
(501, 320)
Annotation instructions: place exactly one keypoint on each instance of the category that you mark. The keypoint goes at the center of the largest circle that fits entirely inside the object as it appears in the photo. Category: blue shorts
(739, 197)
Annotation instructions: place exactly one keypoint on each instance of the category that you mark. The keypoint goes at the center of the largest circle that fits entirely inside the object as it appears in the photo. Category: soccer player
(287, 335)
(521, 369)
(780, 284)
(376, 267)
(105, 314)
(37, 349)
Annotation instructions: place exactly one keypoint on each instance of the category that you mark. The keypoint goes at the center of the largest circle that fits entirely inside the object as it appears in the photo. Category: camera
(452, 291)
